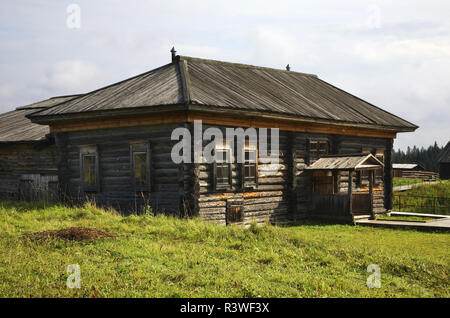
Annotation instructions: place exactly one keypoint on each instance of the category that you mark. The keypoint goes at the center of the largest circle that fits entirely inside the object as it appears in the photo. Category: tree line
(425, 156)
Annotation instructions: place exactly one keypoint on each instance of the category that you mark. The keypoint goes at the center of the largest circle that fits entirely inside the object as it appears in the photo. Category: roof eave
(111, 113)
(274, 115)
(142, 110)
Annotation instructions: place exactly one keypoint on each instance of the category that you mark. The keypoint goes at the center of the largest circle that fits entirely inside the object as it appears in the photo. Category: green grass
(429, 198)
(168, 257)
(405, 181)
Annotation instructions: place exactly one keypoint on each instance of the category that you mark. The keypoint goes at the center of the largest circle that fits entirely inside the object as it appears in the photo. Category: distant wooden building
(413, 171)
(400, 168)
(444, 162)
(114, 145)
(28, 164)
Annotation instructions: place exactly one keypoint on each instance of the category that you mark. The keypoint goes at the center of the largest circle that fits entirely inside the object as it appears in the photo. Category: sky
(394, 54)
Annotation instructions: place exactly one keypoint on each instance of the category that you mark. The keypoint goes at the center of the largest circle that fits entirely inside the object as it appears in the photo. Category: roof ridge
(61, 96)
(241, 65)
(185, 80)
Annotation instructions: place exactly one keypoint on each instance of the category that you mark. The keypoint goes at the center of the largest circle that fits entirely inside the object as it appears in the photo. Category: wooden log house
(28, 167)
(413, 171)
(443, 161)
(400, 168)
(114, 144)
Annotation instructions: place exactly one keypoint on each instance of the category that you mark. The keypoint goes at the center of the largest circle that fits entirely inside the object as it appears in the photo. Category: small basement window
(222, 168)
(234, 212)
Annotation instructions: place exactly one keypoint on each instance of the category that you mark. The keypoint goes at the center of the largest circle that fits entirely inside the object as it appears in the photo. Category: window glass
(89, 173)
(317, 149)
(140, 168)
(250, 165)
(223, 166)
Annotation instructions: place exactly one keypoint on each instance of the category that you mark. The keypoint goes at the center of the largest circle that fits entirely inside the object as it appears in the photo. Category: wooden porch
(327, 201)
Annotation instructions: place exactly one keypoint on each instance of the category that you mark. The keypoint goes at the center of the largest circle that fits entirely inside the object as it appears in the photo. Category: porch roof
(346, 162)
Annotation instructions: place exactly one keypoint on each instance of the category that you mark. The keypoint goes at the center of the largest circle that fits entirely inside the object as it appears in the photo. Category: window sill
(223, 188)
(250, 186)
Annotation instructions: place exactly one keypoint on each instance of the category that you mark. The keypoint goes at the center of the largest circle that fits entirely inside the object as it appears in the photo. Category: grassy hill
(168, 257)
(427, 198)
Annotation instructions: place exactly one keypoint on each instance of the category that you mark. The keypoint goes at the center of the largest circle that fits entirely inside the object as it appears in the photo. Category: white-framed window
(222, 167)
(250, 165)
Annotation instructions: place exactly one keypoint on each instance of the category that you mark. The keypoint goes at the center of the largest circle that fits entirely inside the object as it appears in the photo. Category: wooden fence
(421, 204)
(422, 175)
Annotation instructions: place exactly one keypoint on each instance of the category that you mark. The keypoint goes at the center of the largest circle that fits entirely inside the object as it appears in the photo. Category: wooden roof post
(371, 178)
(350, 181)
(387, 182)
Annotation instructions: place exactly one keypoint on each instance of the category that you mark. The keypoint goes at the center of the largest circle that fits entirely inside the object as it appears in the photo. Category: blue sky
(394, 54)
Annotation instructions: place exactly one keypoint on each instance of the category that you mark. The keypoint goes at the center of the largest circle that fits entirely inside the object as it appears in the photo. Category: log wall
(27, 165)
(116, 178)
(280, 196)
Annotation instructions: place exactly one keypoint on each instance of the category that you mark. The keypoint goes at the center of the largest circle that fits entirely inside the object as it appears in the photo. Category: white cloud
(394, 54)
(390, 48)
(74, 76)
(7, 90)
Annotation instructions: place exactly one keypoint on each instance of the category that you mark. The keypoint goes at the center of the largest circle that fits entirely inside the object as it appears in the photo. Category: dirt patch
(81, 234)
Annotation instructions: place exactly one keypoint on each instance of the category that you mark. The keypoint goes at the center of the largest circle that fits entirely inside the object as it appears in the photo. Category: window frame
(234, 212)
(90, 150)
(226, 164)
(246, 182)
(140, 147)
(319, 155)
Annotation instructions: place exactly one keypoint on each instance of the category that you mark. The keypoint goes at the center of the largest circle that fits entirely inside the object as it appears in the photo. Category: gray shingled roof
(233, 86)
(346, 162)
(15, 127)
(161, 86)
(444, 155)
(46, 103)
